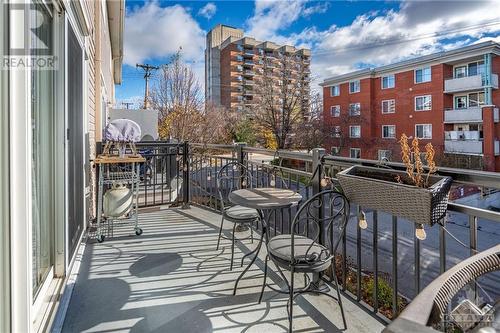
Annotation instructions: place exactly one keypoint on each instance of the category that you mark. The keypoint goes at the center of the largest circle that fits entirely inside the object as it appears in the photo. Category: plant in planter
(417, 194)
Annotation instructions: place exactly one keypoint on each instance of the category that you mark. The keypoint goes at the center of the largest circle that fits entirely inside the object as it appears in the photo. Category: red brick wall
(225, 75)
(405, 118)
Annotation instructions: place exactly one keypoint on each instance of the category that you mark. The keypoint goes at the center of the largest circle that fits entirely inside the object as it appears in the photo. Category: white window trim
(423, 125)
(351, 149)
(388, 137)
(466, 67)
(338, 86)
(415, 103)
(355, 137)
(382, 81)
(354, 92)
(359, 110)
(383, 150)
(382, 106)
(331, 110)
(415, 74)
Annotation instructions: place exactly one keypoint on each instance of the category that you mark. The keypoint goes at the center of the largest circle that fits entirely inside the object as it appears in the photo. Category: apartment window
(423, 75)
(389, 131)
(355, 153)
(239, 47)
(460, 71)
(335, 111)
(354, 109)
(389, 106)
(334, 91)
(335, 150)
(354, 87)
(475, 68)
(384, 155)
(355, 131)
(460, 102)
(476, 99)
(336, 132)
(388, 81)
(423, 131)
(423, 103)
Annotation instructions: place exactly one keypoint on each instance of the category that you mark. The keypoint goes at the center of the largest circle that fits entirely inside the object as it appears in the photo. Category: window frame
(455, 104)
(358, 109)
(337, 88)
(337, 131)
(388, 100)
(422, 69)
(423, 138)
(337, 107)
(354, 149)
(358, 85)
(350, 133)
(389, 137)
(393, 81)
(423, 110)
(384, 150)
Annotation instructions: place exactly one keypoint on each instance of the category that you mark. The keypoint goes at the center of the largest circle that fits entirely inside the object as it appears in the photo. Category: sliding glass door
(42, 110)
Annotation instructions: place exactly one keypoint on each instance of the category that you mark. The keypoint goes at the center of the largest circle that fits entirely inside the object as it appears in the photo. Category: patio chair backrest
(232, 176)
(327, 211)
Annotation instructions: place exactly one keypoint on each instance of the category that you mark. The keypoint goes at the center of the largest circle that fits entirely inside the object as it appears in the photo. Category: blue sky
(343, 35)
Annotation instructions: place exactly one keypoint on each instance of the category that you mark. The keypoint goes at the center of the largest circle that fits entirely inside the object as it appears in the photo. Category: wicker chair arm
(431, 303)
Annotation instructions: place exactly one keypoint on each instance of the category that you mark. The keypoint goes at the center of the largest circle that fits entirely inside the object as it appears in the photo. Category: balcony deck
(171, 279)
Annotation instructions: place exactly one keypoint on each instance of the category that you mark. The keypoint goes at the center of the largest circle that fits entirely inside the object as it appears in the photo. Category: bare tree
(313, 131)
(176, 88)
(281, 98)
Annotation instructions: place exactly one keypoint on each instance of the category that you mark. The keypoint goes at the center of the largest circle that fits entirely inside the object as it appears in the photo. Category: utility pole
(148, 69)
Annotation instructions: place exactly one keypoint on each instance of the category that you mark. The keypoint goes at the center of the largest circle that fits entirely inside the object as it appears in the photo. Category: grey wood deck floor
(172, 279)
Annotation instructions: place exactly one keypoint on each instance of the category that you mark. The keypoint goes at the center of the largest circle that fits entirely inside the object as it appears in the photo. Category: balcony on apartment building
(175, 278)
(248, 73)
(463, 115)
(463, 142)
(468, 83)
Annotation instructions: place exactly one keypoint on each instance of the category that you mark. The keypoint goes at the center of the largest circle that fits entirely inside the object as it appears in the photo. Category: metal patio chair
(234, 176)
(430, 306)
(302, 251)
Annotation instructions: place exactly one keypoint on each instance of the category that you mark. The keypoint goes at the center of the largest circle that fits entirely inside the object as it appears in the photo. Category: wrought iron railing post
(240, 153)
(317, 171)
(185, 175)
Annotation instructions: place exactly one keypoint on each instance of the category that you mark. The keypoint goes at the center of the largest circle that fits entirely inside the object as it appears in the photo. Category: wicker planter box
(377, 188)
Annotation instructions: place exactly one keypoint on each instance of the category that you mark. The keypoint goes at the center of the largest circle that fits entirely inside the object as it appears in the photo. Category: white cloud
(152, 31)
(377, 38)
(208, 11)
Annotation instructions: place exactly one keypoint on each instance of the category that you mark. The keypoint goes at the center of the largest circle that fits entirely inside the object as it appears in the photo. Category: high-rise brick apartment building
(450, 99)
(235, 67)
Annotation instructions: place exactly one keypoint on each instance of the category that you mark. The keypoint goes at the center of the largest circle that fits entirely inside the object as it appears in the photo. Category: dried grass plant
(414, 166)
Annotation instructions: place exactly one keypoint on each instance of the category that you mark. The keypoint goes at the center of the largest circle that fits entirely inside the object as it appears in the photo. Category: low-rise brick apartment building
(450, 99)
(236, 66)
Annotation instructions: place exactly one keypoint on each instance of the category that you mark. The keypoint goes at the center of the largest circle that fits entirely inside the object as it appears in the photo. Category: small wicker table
(263, 200)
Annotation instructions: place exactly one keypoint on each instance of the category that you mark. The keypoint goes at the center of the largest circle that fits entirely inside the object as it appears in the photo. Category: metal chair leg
(251, 232)
(220, 232)
(338, 295)
(290, 313)
(265, 280)
(232, 247)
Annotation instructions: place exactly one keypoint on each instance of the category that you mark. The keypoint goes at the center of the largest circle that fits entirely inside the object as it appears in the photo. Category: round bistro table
(264, 199)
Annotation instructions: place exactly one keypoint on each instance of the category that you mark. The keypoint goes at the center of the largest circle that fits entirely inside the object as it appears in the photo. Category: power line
(148, 69)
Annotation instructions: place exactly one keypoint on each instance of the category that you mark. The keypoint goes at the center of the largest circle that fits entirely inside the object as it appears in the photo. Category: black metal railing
(383, 266)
